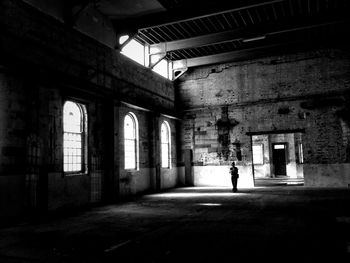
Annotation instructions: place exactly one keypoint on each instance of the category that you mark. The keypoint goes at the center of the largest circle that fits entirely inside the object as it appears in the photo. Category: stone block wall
(307, 91)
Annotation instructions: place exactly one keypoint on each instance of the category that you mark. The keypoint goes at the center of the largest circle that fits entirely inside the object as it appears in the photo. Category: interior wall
(12, 144)
(44, 64)
(306, 91)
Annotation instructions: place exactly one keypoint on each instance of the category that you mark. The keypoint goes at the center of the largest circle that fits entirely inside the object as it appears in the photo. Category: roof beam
(193, 17)
(232, 35)
(244, 54)
(182, 13)
(229, 56)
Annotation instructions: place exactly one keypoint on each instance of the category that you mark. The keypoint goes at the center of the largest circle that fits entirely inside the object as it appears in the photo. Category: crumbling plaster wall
(301, 91)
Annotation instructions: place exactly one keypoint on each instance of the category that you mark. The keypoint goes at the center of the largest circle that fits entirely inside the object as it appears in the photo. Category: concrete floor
(281, 223)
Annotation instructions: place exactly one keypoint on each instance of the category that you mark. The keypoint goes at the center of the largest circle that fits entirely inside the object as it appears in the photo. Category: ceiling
(195, 32)
(124, 9)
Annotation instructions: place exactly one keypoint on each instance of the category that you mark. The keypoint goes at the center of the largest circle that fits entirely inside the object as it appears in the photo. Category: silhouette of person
(234, 176)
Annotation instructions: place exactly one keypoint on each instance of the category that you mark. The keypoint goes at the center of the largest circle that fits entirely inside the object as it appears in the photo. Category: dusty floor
(281, 224)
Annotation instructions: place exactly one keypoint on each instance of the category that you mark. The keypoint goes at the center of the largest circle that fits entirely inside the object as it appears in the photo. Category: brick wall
(305, 90)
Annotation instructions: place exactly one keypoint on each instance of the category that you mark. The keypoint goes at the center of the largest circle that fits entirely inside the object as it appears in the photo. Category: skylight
(162, 68)
(122, 39)
(135, 51)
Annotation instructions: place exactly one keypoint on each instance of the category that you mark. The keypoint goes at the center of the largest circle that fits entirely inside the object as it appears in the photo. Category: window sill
(74, 174)
(131, 170)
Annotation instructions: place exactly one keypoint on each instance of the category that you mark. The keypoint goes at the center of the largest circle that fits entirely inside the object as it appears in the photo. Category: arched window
(165, 144)
(74, 138)
(130, 141)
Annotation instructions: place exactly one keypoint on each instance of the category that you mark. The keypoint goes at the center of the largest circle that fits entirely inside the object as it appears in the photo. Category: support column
(154, 155)
(111, 179)
(188, 159)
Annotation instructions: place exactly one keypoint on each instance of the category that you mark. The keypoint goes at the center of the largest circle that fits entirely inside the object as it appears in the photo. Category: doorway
(279, 159)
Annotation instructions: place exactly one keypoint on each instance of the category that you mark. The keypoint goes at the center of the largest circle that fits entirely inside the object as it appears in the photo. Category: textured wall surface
(44, 63)
(303, 91)
(34, 37)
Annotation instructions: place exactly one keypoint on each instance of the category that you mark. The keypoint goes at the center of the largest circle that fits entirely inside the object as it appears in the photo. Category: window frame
(166, 124)
(84, 138)
(136, 141)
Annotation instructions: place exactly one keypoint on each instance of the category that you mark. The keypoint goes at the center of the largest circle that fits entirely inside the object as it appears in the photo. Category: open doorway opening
(277, 159)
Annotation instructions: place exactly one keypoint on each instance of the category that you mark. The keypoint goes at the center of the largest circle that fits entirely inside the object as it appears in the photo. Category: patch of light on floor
(187, 195)
(210, 204)
(210, 188)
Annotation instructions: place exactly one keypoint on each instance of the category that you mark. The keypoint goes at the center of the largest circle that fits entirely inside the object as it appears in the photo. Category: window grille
(74, 136)
(130, 141)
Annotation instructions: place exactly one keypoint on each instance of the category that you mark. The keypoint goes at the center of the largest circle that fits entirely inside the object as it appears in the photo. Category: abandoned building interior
(104, 100)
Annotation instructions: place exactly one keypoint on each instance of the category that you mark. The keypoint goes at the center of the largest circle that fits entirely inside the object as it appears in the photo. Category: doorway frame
(251, 134)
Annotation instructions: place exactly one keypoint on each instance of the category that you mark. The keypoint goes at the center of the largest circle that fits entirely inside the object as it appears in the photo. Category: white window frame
(165, 163)
(135, 139)
(81, 154)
